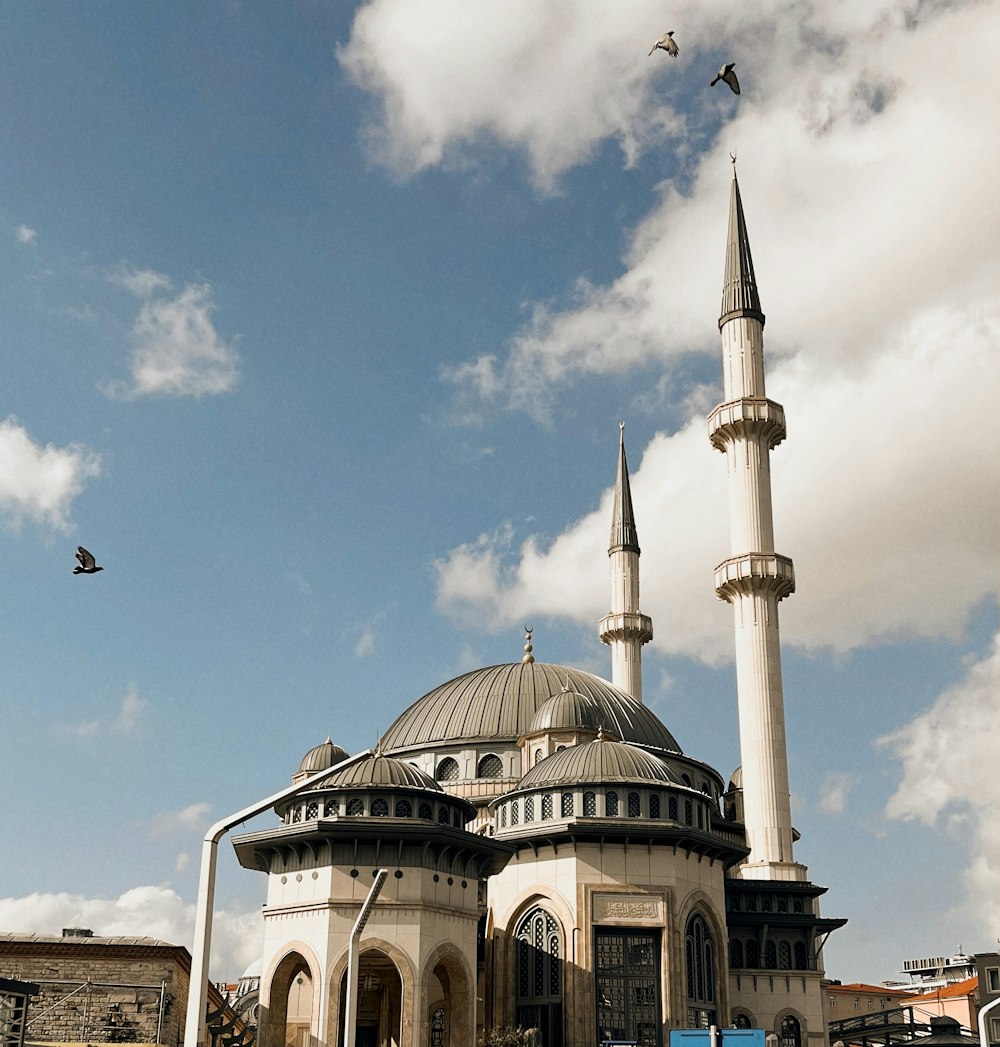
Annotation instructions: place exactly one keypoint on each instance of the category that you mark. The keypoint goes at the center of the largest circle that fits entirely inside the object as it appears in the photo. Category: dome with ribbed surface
(321, 756)
(566, 710)
(599, 761)
(500, 702)
(382, 771)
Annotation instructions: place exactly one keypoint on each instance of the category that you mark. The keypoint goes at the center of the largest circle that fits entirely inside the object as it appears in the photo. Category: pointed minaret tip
(739, 287)
(623, 531)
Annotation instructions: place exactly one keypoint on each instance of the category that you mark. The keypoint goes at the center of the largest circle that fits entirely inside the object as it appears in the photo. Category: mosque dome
(567, 710)
(321, 756)
(601, 760)
(381, 771)
(501, 702)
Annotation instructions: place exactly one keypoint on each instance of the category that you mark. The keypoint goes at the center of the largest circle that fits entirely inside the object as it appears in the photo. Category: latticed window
(312, 811)
(424, 811)
(297, 814)
(380, 809)
(699, 956)
(330, 809)
(654, 805)
(784, 956)
(672, 808)
(439, 1027)
(753, 954)
(513, 813)
(566, 805)
(801, 957)
(687, 812)
(538, 756)
(490, 766)
(735, 953)
(456, 819)
(589, 805)
(529, 809)
(503, 817)
(770, 956)
(447, 770)
(611, 805)
(546, 807)
(539, 975)
(355, 805)
(403, 809)
(742, 1021)
(791, 1032)
(634, 810)
(444, 816)
(627, 970)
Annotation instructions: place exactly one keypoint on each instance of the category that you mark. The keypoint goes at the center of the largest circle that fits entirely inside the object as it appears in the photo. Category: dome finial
(600, 733)
(528, 656)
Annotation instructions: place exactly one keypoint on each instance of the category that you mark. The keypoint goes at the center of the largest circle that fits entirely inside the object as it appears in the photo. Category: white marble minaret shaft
(625, 629)
(754, 578)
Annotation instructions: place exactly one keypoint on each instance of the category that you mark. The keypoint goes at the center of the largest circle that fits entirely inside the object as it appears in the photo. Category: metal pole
(201, 949)
(983, 1041)
(353, 960)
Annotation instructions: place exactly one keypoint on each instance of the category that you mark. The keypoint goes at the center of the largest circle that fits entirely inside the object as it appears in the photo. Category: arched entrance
(451, 1014)
(291, 1004)
(380, 1001)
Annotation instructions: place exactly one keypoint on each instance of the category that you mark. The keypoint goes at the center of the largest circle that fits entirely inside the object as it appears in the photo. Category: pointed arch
(373, 949)
(287, 972)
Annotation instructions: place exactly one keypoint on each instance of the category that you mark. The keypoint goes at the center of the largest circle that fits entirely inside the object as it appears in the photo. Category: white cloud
(147, 911)
(834, 790)
(365, 645)
(177, 350)
(166, 823)
(39, 483)
(127, 720)
(143, 283)
(948, 757)
(25, 235)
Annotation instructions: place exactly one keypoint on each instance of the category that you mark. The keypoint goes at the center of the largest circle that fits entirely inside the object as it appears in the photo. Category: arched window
(686, 779)
(699, 955)
(355, 805)
(672, 808)
(539, 975)
(589, 805)
(566, 805)
(611, 805)
(447, 770)
(791, 1032)
(439, 1027)
(753, 954)
(513, 813)
(784, 956)
(312, 811)
(546, 807)
(735, 952)
(538, 756)
(503, 817)
(797, 905)
(634, 810)
(380, 809)
(443, 815)
(742, 1021)
(529, 809)
(654, 805)
(770, 956)
(456, 819)
(490, 766)
(330, 809)
(687, 812)
(424, 811)
(297, 814)
(801, 957)
(403, 809)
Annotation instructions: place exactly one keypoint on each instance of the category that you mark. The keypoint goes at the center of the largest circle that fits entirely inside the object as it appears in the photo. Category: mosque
(555, 860)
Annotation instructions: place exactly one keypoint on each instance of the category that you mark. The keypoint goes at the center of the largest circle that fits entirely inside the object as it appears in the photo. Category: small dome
(598, 761)
(736, 782)
(321, 756)
(568, 709)
(254, 970)
(382, 771)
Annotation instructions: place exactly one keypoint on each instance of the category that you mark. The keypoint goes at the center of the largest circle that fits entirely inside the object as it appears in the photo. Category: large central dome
(500, 702)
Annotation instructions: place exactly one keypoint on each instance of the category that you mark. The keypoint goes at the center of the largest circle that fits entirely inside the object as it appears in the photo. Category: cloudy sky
(318, 323)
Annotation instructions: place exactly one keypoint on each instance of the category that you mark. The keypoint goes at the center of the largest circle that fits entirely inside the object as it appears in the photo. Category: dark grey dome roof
(599, 761)
(568, 709)
(501, 701)
(379, 770)
(321, 756)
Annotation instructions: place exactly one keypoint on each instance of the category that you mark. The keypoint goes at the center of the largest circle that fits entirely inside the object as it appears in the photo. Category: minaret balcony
(747, 418)
(625, 626)
(751, 573)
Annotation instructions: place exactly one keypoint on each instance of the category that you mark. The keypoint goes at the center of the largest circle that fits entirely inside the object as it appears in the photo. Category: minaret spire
(625, 629)
(746, 427)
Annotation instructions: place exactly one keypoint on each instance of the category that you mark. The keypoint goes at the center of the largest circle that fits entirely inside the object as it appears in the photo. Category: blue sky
(318, 322)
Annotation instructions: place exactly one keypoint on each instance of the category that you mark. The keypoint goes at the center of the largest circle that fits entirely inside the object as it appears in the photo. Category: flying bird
(666, 43)
(87, 564)
(727, 76)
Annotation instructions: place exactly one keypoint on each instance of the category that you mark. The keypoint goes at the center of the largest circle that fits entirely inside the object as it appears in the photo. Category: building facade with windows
(557, 861)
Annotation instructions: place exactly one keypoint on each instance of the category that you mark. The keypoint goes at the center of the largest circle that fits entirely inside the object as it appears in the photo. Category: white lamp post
(194, 1026)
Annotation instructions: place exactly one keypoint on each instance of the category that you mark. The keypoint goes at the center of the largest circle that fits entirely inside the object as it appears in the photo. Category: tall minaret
(625, 629)
(754, 578)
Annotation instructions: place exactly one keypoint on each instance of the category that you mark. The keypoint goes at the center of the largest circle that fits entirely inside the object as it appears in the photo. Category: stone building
(556, 859)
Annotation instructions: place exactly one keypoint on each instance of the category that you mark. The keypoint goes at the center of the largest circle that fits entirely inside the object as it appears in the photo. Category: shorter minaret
(625, 629)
